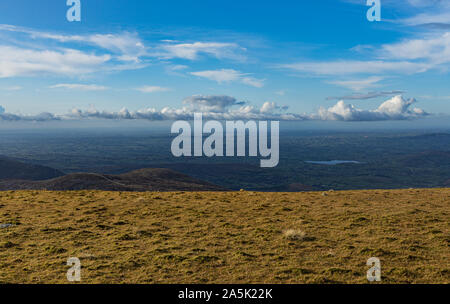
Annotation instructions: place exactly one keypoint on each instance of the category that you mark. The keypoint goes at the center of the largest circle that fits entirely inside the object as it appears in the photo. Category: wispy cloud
(433, 13)
(369, 95)
(15, 61)
(409, 56)
(13, 88)
(128, 46)
(230, 75)
(353, 67)
(192, 51)
(358, 84)
(152, 89)
(79, 55)
(79, 87)
(434, 50)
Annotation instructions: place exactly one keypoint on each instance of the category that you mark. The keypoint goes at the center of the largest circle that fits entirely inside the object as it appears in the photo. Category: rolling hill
(13, 169)
(139, 180)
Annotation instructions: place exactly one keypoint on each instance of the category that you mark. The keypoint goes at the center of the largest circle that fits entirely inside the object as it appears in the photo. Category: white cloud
(16, 61)
(396, 108)
(409, 56)
(271, 107)
(212, 107)
(80, 87)
(128, 45)
(369, 95)
(35, 52)
(191, 51)
(230, 75)
(177, 67)
(152, 89)
(359, 84)
(228, 108)
(434, 49)
(428, 18)
(432, 12)
(14, 117)
(349, 67)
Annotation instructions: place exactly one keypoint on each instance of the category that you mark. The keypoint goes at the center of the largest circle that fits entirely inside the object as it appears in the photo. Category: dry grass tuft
(294, 234)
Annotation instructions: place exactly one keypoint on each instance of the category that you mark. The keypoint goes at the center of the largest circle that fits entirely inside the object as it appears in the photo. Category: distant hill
(13, 169)
(139, 180)
(426, 159)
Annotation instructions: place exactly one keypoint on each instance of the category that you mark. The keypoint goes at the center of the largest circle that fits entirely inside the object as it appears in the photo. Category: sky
(286, 60)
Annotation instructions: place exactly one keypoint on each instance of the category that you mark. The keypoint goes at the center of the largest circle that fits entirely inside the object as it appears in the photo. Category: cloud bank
(228, 108)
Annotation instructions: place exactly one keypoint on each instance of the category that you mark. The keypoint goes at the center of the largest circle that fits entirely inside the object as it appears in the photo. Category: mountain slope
(139, 180)
(12, 169)
(225, 237)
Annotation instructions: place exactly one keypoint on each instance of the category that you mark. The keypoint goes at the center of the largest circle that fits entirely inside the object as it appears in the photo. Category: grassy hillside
(234, 237)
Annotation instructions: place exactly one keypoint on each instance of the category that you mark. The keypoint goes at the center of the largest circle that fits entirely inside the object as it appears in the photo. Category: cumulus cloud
(271, 107)
(79, 87)
(396, 108)
(230, 75)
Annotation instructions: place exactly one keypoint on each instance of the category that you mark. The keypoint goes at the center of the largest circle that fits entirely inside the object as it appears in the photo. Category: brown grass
(236, 237)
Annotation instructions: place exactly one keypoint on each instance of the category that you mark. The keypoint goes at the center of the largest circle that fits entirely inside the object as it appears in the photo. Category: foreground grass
(236, 237)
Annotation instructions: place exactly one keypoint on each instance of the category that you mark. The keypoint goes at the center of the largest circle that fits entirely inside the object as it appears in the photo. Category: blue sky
(291, 60)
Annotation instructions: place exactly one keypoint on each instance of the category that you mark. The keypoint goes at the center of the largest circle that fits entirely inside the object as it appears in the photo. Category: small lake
(333, 162)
